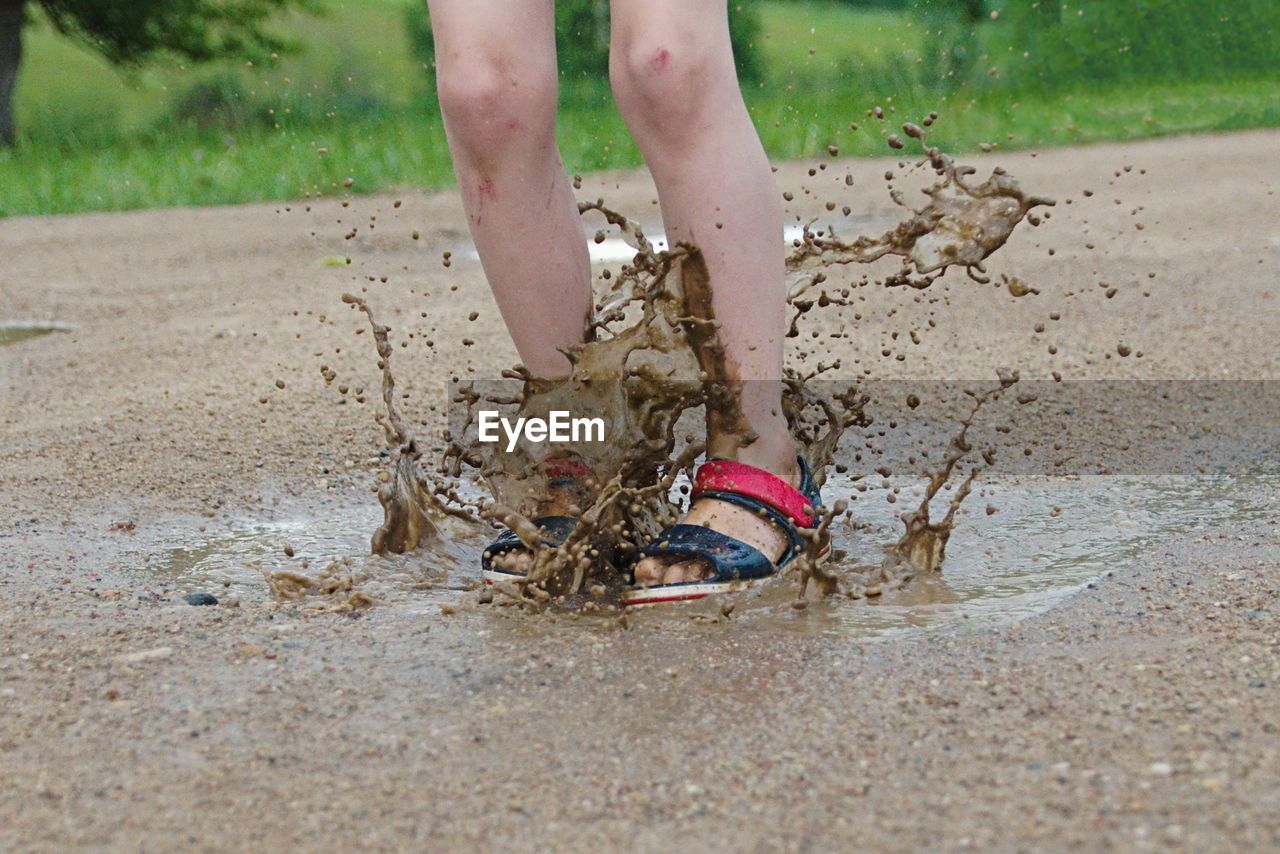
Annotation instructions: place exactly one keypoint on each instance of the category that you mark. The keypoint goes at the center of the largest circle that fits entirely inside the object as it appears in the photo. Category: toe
(650, 571)
(688, 570)
(674, 574)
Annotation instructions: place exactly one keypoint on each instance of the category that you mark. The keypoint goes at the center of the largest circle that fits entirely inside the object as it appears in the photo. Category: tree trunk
(12, 16)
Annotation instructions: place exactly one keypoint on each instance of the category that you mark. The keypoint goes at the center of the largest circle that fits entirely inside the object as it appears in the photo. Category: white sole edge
(497, 576)
(641, 596)
(686, 592)
(651, 596)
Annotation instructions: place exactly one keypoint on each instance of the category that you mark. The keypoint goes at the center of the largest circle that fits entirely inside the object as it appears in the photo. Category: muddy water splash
(652, 354)
(923, 545)
(961, 226)
(405, 501)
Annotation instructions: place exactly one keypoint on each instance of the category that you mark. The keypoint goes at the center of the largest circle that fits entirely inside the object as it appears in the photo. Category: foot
(562, 502)
(728, 519)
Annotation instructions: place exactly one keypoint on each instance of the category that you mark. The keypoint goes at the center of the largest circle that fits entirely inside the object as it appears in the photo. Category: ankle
(560, 502)
(775, 454)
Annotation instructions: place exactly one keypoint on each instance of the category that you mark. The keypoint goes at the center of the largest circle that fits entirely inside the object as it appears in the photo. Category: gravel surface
(1141, 713)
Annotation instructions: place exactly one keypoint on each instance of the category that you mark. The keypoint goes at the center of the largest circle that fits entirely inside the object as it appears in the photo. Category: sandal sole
(694, 590)
(493, 576)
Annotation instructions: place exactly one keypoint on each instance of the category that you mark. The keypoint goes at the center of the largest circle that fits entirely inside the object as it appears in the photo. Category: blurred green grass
(822, 41)
(68, 96)
(356, 103)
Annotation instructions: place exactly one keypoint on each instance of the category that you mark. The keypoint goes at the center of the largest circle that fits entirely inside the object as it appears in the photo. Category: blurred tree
(12, 14)
(129, 32)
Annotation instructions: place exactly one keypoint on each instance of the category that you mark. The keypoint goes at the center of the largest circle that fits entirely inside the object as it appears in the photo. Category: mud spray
(652, 354)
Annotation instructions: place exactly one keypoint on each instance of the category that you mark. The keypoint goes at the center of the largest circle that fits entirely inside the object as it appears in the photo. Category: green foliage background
(1041, 72)
(1074, 42)
(129, 31)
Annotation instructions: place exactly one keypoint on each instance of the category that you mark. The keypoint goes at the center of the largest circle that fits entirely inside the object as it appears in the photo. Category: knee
(665, 82)
(490, 105)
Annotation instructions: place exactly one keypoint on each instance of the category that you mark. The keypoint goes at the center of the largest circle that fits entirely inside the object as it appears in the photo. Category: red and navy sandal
(736, 564)
(562, 473)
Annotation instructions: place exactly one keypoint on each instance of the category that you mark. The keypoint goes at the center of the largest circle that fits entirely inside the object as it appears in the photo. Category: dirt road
(1140, 713)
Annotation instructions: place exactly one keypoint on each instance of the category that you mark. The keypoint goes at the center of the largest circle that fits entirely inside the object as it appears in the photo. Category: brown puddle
(653, 367)
(1051, 537)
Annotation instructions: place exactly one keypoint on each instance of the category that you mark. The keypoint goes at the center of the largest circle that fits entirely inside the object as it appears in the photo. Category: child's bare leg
(677, 89)
(496, 74)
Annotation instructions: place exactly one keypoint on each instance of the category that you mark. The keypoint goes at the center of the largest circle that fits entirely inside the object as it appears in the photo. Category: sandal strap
(565, 472)
(554, 530)
(565, 467)
(732, 559)
(779, 520)
(735, 478)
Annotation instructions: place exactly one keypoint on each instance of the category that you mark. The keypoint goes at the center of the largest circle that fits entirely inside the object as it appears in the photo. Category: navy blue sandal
(562, 473)
(736, 564)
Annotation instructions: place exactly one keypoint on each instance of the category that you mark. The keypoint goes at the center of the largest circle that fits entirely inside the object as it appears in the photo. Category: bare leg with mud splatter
(497, 80)
(677, 90)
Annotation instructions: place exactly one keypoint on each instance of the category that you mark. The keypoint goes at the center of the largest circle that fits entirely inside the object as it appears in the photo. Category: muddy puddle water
(230, 560)
(1047, 539)
(651, 352)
